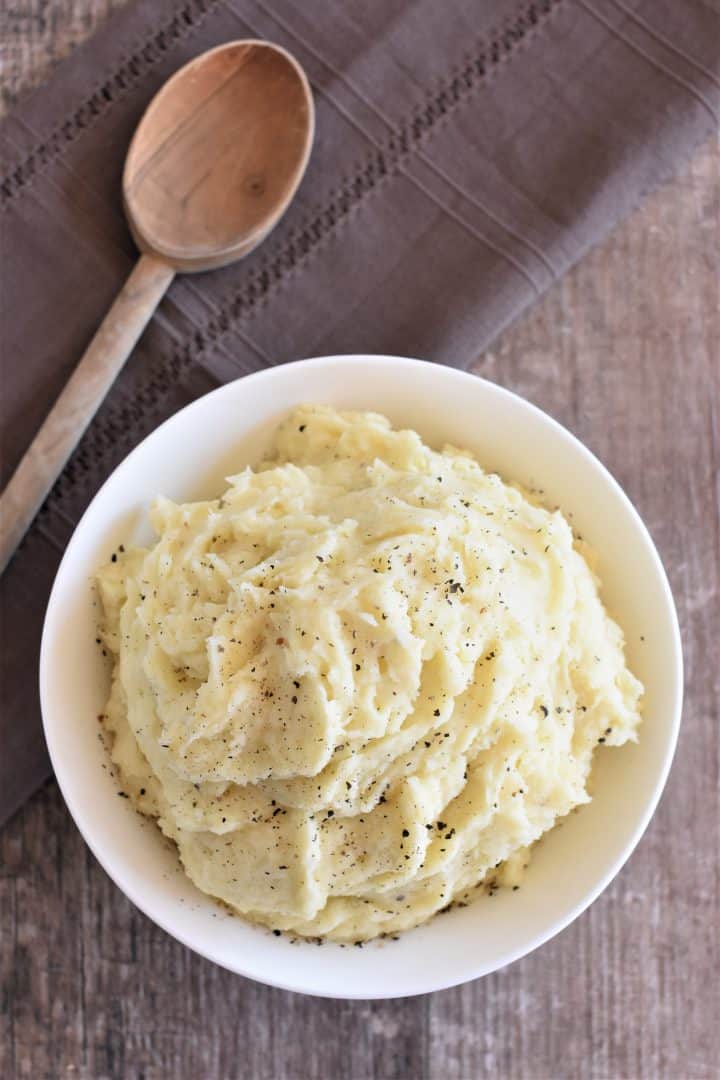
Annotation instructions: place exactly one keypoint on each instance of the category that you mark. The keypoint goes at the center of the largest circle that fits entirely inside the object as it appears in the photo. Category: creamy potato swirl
(362, 682)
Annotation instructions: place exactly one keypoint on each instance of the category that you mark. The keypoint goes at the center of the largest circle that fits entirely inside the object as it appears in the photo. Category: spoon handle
(74, 409)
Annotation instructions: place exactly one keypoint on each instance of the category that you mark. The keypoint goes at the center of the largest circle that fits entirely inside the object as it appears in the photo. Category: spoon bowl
(218, 155)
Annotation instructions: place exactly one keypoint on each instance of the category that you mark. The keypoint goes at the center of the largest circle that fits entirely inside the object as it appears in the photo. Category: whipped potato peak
(363, 681)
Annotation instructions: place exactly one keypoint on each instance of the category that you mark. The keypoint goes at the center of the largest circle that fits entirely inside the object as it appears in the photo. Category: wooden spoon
(212, 167)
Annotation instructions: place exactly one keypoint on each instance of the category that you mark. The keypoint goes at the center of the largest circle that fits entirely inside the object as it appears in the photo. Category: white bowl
(188, 457)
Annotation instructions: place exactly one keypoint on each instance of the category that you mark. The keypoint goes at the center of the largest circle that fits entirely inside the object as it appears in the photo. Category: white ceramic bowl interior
(188, 457)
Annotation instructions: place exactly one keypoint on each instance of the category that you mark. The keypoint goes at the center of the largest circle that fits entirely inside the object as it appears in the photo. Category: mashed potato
(362, 682)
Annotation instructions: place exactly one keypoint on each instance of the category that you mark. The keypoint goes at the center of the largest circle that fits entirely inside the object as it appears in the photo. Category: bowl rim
(556, 926)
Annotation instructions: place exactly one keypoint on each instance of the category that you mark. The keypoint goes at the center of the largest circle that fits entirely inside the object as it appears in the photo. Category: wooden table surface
(626, 352)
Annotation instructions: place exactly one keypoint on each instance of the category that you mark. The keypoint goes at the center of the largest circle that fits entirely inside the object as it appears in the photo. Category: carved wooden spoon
(212, 167)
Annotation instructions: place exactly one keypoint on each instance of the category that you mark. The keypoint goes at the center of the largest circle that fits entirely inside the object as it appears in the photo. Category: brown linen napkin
(467, 154)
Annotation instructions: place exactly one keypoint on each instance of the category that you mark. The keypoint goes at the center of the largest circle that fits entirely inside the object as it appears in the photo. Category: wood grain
(626, 352)
(219, 155)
